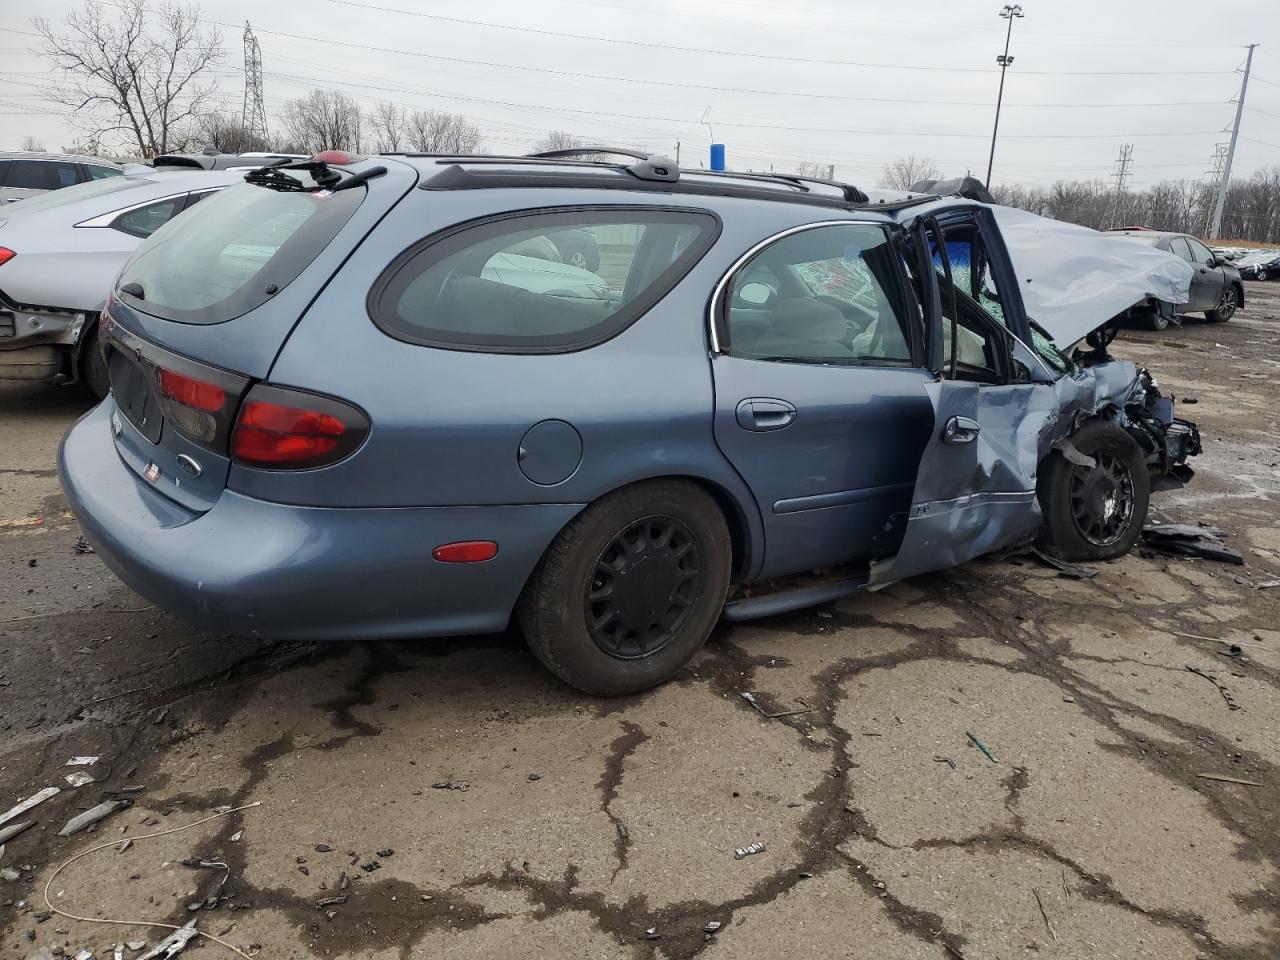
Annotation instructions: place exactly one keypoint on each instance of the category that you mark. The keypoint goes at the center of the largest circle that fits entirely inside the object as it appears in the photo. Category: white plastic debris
(92, 816)
(81, 761)
(27, 804)
(173, 944)
(748, 850)
(79, 778)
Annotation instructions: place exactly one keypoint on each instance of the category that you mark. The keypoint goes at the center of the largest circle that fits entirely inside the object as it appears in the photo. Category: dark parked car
(24, 175)
(1216, 288)
(343, 406)
(1260, 265)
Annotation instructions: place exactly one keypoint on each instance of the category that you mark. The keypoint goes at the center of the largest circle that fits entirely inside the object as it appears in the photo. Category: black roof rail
(567, 153)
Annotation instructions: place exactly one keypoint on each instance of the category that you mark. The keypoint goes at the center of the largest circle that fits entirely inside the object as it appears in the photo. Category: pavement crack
(623, 746)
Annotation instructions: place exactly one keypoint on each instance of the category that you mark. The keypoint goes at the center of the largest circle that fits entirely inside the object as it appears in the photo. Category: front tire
(630, 589)
(1094, 513)
(1157, 320)
(1226, 308)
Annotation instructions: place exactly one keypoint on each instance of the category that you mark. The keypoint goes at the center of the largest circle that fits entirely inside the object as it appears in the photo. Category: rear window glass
(234, 251)
(539, 282)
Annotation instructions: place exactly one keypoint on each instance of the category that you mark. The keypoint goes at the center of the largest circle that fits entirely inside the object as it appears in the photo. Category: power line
(756, 56)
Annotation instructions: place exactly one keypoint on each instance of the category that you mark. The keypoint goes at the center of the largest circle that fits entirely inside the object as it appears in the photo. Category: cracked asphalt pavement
(451, 799)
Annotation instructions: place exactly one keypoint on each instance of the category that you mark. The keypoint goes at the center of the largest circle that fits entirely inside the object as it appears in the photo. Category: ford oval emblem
(189, 465)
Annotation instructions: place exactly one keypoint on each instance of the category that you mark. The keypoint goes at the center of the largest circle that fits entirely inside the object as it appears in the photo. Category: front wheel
(630, 589)
(1094, 513)
(1226, 308)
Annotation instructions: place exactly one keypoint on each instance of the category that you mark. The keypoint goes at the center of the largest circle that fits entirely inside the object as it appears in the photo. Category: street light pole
(1009, 12)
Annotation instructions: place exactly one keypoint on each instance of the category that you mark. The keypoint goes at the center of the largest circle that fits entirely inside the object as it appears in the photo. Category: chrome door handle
(960, 430)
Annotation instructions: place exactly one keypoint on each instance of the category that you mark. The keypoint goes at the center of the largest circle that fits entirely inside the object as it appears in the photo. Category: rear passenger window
(42, 175)
(145, 221)
(831, 294)
(539, 283)
(101, 173)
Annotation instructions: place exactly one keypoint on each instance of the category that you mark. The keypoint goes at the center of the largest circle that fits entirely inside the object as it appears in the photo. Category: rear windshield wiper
(273, 176)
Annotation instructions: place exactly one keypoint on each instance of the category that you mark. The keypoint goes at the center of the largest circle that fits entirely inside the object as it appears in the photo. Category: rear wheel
(630, 590)
(1094, 513)
(93, 365)
(1226, 308)
(1156, 320)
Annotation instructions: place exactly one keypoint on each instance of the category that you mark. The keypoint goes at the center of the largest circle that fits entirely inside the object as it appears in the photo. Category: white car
(59, 252)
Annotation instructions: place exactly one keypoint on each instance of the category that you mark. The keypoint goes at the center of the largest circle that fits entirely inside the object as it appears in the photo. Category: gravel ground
(450, 799)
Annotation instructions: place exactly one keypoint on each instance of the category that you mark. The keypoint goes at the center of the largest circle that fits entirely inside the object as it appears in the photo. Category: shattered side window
(971, 269)
(1050, 354)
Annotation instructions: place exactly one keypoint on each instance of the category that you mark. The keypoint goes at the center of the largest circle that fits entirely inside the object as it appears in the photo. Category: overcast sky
(849, 82)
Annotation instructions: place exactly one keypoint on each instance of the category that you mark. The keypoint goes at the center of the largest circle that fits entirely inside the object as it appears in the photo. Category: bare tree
(435, 131)
(226, 133)
(819, 171)
(31, 145)
(323, 120)
(134, 70)
(904, 172)
(387, 125)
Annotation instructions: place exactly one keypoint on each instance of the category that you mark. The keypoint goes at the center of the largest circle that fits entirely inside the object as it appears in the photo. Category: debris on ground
(9, 874)
(986, 751)
(947, 760)
(81, 761)
(449, 785)
(92, 816)
(78, 778)
(652, 934)
(534, 776)
(31, 801)
(1065, 568)
(213, 891)
(11, 831)
(1185, 540)
(748, 850)
(1222, 779)
(1222, 687)
(751, 699)
(135, 944)
(331, 901)
(83, 546)
(173, 944)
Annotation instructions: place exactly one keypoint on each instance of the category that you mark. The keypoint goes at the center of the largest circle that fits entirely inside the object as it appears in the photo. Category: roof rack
(454, 175)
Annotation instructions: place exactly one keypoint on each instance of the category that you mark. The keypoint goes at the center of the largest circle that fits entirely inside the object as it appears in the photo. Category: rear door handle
(960, 430)
(763, 414)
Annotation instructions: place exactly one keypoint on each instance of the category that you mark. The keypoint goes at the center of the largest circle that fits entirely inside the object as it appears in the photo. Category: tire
(1157, 320)
(1084, 519)
(606, 635)
(93, 365)
(1260, 275)
(1226, 308)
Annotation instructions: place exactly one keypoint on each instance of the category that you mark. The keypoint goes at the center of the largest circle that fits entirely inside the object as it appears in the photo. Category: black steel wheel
(643, 587)
(1102, 498)
(1097, 512)
(631, 588)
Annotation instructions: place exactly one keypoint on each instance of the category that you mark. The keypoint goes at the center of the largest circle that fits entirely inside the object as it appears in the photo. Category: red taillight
(6, 254)
(289, 429)
(191, 392)
(466, 551)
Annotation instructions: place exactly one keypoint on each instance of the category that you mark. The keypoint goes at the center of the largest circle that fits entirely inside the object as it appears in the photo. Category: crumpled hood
(1074, 279)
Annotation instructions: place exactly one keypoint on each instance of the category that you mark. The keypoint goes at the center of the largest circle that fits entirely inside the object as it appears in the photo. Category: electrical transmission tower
(1215, 179)
(254, 117)
(1122, 177)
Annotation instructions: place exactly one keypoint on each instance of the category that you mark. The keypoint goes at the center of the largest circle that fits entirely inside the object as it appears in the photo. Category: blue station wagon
(361, 398)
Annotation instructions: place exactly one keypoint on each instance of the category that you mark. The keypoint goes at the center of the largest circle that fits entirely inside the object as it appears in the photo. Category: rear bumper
(256, 568)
